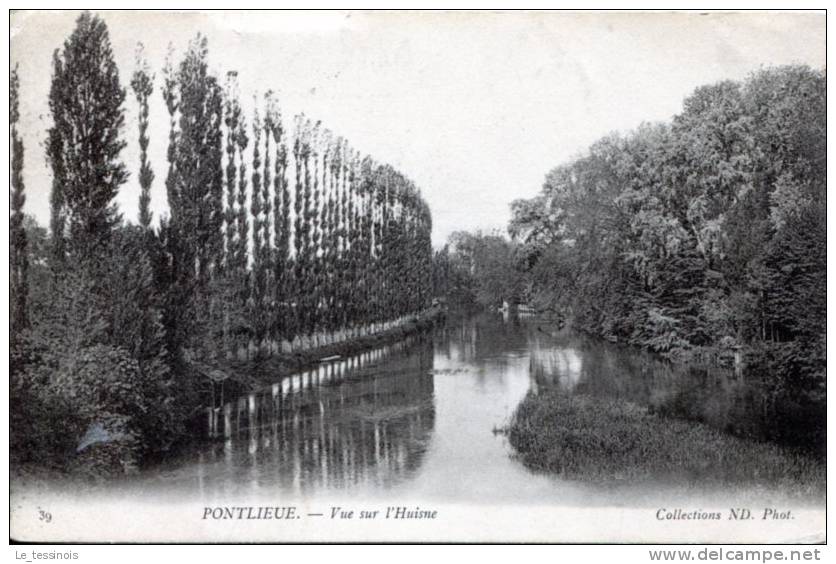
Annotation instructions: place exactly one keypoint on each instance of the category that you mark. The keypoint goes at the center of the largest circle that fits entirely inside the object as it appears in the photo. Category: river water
(418, 424)
(422, 419)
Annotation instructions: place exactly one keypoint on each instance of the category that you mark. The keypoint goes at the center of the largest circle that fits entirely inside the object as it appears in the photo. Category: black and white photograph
(400, 276)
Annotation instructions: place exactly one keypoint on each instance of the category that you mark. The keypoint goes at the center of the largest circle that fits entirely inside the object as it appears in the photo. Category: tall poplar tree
(18, 259)
(241, 252)
(232, 116)
(315, 240)
(142, 84)
(281, 226)
(305, 258)
(298, 226)
(257, 212)
(268, 308)
(84, 143)
(195, 186)
(196, 195)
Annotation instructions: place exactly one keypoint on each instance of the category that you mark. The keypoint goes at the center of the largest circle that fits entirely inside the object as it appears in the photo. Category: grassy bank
(602, 440)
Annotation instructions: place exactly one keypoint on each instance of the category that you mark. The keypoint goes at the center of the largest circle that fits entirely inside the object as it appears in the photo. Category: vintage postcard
(417, 276)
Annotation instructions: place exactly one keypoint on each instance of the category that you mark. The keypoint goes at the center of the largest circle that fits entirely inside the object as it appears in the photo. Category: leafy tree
(18, 259)
(232, 116)
(243, 326)
(195, 189)
(282, 266)
(259, 260)
(142, 84)
(314, 205)
(697, 236)
(84, 144)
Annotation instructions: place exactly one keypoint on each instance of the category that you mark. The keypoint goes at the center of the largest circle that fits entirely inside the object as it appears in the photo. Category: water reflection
(419, 419)
(474, 339)
(365, 419)
(556, 366)
(709, 394)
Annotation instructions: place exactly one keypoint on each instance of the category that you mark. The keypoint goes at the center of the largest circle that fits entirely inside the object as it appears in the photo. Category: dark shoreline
(244, 376)
(250, 374)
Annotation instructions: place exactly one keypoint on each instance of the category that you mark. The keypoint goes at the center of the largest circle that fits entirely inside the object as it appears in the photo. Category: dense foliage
(478, 270)
(18, 259)
(700, 236)
(142, 84)
(86, 102)
(273, 241)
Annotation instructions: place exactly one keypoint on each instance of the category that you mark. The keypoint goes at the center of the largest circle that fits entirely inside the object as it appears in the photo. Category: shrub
(59, 397)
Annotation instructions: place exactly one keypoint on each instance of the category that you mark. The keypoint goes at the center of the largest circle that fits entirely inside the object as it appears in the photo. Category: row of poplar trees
(278, 236)
(283, 237)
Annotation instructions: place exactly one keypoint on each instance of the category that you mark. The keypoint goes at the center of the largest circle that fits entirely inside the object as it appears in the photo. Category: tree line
(478, 270)
(705, 232)
(277, 237)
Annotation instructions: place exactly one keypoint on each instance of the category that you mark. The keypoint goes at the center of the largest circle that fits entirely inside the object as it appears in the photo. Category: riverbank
(238, 377)
(247, 375)
(585, 438)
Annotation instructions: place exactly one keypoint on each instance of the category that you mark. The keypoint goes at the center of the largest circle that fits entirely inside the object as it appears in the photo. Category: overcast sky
(474, 107)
